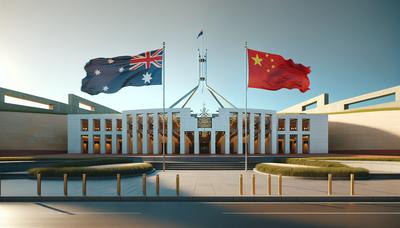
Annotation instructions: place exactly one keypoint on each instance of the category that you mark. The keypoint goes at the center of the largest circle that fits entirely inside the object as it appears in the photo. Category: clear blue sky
(352, 46)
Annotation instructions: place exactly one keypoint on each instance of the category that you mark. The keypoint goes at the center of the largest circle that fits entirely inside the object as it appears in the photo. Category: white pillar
(134, 133)
(144, 133)
(182, 140)
(212, 142)
(262, 133)
(125, 128)
(251, 140)
(240, 133)
(114, 136)
(155, 133)
(287, 135)
(90, 136)
(274, 133)
(169, 129)
(196, 142)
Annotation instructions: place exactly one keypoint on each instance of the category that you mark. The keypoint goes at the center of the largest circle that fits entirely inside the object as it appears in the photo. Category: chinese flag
(273, 72)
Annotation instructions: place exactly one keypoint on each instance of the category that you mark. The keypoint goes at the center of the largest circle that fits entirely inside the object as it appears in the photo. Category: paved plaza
(201, 183)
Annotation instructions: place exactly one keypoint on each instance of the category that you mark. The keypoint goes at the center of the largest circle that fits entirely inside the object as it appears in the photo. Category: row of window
(97, 127)
(96, 144)
(305, 124)
(293, 147)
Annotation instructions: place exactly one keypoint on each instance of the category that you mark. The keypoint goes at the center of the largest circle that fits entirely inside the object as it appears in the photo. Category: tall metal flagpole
(245, 116)
(163, 117)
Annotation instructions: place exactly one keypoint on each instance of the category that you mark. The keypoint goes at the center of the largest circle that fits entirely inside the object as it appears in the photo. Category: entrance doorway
(205, 142)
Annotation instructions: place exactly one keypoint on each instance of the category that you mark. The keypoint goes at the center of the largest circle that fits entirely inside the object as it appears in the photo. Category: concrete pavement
(198, 214)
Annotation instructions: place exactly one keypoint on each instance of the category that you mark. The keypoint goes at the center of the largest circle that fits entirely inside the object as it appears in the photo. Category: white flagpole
(163, 116)
(245, 116)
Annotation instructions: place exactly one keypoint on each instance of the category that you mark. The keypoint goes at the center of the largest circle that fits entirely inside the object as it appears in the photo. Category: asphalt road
(196, 214)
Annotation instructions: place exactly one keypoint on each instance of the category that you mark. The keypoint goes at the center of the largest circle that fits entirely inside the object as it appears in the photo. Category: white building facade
(140, 132)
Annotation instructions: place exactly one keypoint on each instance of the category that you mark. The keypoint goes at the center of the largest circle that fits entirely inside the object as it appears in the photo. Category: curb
(201, 199)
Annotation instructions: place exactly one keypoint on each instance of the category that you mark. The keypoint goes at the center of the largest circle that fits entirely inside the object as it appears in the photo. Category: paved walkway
(200, 183)
(374, 166)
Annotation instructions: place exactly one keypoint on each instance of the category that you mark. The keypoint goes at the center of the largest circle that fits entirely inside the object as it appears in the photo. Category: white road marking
(314, 213)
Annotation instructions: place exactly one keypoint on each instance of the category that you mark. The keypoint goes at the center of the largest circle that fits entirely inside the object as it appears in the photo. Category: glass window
(84, 144)
(306, 144)
(108, 142)
(293, 144)
(306, 124)
(281, 124)
(96, 125)
(119, 125)
(281, 144)
(96, 144)
(293, 124)
(108, 125)
(84, 125)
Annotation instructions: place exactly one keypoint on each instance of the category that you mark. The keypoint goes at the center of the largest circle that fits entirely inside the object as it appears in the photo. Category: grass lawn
(97, 171)
(324, 168)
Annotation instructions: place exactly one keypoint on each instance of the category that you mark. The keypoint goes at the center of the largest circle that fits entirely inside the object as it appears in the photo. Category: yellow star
(257, 60)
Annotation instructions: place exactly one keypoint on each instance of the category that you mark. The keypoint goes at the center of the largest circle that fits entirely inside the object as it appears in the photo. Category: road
(198, 214)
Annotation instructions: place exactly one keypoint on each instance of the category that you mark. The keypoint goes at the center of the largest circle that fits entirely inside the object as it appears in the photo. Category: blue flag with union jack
(108, 75)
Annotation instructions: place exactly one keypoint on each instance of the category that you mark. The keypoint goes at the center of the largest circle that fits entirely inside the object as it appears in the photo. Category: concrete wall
(365, 131)
(33, 132)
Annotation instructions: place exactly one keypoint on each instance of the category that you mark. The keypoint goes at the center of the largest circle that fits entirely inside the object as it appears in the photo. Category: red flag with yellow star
(273, 72)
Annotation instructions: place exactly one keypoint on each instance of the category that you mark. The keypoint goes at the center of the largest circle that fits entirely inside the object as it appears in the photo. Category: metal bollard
(352, 184)
(280, 185)
(39, 185)
(241, 184)
(157, 185)
(329, 184)
(119, 184)
(65, 184)
(84, 184)
(253, 184)
(177, 184)
(269, 184)
(144, 184)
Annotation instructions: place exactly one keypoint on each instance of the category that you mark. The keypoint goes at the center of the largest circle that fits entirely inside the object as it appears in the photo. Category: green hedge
(323, 168)
(127, 169)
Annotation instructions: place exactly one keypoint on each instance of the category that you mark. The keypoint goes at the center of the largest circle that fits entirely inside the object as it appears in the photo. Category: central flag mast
(245, 116)
(163, 117)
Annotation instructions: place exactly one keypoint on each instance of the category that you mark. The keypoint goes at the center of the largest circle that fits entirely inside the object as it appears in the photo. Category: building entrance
(205, 142)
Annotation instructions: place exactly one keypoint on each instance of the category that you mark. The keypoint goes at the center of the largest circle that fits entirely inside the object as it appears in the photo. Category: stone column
(196, 142)
(125, 128)
(274, 133)
(182, 140)
(169, 129)
(212, 142)
(155, 133)
(90, 136)
(251, 140)
(144, 134)
(114, 136)
(134, 133)
(262, 133)
(240, 133)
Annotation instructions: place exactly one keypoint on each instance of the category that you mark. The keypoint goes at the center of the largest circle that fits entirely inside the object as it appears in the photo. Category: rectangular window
(306, 124)
(257, 133)
(96, 124)
(108, 125)
(129, 120)
(233, 137)
(84, 144)
(293, 124)
(268, 146)
(139, 133)
(96, 144)
(150, 133)
(84, 125)
(220, 142)
(162, 131)
(281, 124)
(281, 144)
(176, 133)
(119, 125)
(189, 142)
(119, 144)
(108, 142)
(306, 144)
(293, 144)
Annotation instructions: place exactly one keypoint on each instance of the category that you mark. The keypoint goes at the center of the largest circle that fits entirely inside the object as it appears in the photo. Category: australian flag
(108, 75)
